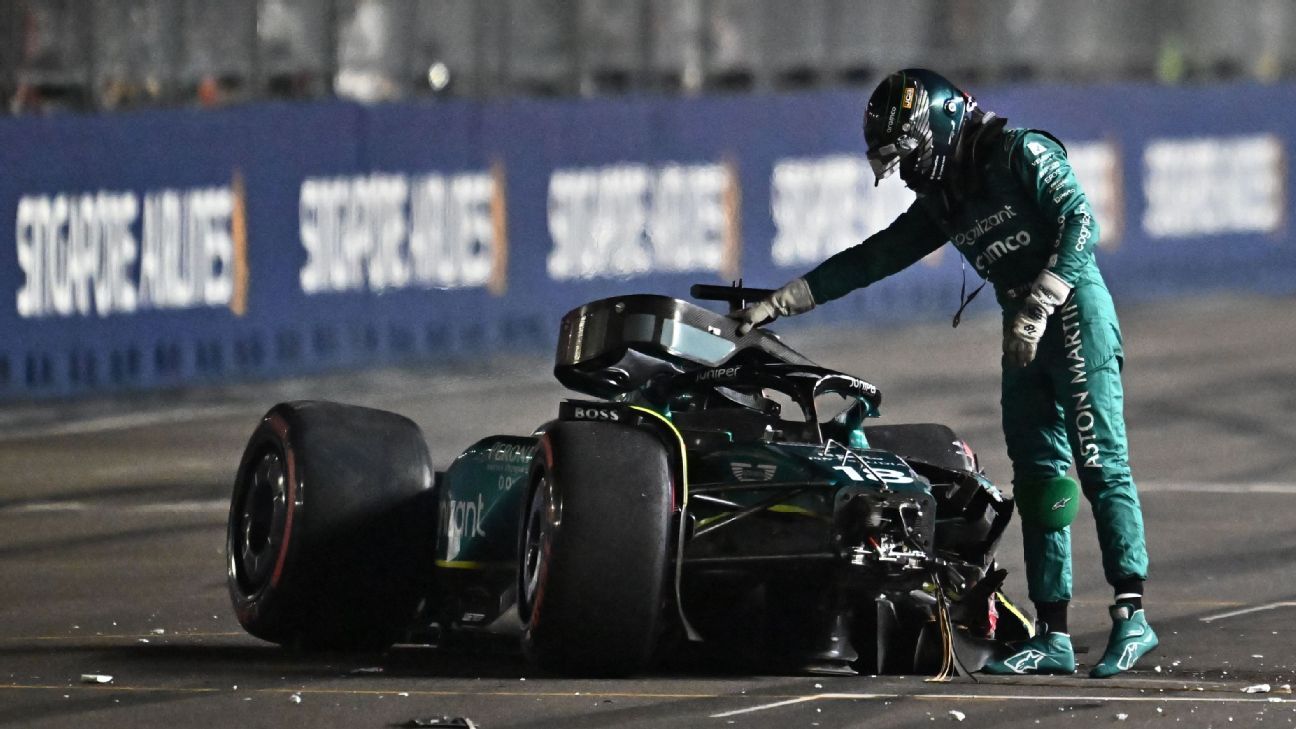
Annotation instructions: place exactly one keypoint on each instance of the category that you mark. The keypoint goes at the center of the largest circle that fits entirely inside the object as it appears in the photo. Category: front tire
(595, 550)
(330, 527)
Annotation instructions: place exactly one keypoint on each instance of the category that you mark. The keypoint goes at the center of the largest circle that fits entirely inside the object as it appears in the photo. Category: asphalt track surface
(112, 517)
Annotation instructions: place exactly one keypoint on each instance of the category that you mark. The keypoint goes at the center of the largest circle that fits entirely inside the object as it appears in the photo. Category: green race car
(714, 494)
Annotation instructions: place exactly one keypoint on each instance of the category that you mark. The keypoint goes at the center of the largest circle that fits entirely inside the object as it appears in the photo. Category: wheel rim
(540, 520)
(259, 532)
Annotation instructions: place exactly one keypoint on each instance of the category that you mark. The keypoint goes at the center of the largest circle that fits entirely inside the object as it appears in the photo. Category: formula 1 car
(719, 489)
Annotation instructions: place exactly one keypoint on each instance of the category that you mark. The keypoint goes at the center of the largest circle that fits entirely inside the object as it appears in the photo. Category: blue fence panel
(162, 249)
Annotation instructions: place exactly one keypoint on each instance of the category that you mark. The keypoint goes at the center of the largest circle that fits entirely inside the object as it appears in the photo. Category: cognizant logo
(979, 228)
(464, 523)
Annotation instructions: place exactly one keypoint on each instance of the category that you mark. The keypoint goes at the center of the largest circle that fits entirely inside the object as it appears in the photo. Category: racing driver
(1008, 201)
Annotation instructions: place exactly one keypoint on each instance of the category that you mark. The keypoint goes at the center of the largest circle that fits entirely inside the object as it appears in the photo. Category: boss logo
(596, 414)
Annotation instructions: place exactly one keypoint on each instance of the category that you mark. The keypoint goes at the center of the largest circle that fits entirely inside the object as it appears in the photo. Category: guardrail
(168, 248)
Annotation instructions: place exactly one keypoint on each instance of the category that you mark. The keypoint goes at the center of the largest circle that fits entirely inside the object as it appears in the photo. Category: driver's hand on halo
(793, 298)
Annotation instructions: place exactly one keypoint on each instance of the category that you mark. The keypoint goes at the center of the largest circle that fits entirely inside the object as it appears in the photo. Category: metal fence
(113, 54)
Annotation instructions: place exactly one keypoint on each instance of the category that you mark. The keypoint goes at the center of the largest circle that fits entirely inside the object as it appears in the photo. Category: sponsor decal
(1128, 657)
(464, 519)
(1000, 248)
(824, 205)
(1061, 504)
(887, 475)
(508, 453)
(1081, 217)
(857, 385)
(384, 232)
(1214, 185)
(586, 413)
(1039, 150)
(118, 252)
(719, 373)
(1096, 166)
(1026, 661)
(982, 226)
(747, 472)
(1084, 421)
(634, 219)
(907, 101)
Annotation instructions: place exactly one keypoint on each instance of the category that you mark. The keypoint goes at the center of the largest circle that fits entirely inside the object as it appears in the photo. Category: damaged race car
(715, 492)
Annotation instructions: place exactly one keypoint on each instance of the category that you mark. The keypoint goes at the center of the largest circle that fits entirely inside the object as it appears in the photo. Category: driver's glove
(1023, 337)
(794, 298)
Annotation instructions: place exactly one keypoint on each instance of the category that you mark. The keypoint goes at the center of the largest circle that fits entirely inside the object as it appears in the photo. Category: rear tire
(331, 527)
(595, 550)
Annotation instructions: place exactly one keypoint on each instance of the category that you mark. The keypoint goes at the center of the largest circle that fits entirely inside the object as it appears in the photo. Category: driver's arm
(1040, 164)
(909, 237)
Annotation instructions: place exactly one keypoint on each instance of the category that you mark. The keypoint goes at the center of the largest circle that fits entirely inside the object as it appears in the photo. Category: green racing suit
(1027, 213)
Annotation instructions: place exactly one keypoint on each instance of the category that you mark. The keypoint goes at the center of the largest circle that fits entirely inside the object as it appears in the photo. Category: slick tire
(329, 528)
(595, 543)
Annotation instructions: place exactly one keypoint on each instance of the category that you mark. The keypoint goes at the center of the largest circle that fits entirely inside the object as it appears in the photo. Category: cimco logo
(998, 249)
(596, 414)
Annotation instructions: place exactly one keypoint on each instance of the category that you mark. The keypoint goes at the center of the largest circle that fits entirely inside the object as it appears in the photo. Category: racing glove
(1023, 337)
(794, 298)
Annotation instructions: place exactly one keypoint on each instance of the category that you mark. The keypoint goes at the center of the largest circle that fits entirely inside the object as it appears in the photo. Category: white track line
(1066, 698)
(789, 702)
(1247, 611)
(1074, 698)
(1208, 487)
(109, 423)
(169, 507)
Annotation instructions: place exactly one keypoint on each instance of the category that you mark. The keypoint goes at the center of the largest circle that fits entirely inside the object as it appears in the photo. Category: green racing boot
(1131, 638)
(1046, 653)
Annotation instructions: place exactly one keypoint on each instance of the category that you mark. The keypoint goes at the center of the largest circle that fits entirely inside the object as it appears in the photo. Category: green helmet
(915, 120)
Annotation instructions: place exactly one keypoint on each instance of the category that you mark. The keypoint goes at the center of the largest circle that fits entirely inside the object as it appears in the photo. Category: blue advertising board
(168, 248)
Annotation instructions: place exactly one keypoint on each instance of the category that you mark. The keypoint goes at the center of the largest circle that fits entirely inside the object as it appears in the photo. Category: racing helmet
(914, 121)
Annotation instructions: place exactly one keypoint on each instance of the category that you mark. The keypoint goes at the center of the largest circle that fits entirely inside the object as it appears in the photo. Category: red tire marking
(280, 428)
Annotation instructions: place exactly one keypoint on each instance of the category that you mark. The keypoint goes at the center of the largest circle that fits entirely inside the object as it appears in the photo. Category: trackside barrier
(162, 249)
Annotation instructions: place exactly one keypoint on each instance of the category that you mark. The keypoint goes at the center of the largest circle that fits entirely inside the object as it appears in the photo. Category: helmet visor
(886, 159)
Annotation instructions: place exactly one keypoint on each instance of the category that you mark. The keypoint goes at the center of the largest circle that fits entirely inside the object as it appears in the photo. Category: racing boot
(1046, 653)
(1131, 638)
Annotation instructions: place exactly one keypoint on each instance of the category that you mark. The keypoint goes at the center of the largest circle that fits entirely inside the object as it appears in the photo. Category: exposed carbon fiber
(613, 346)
